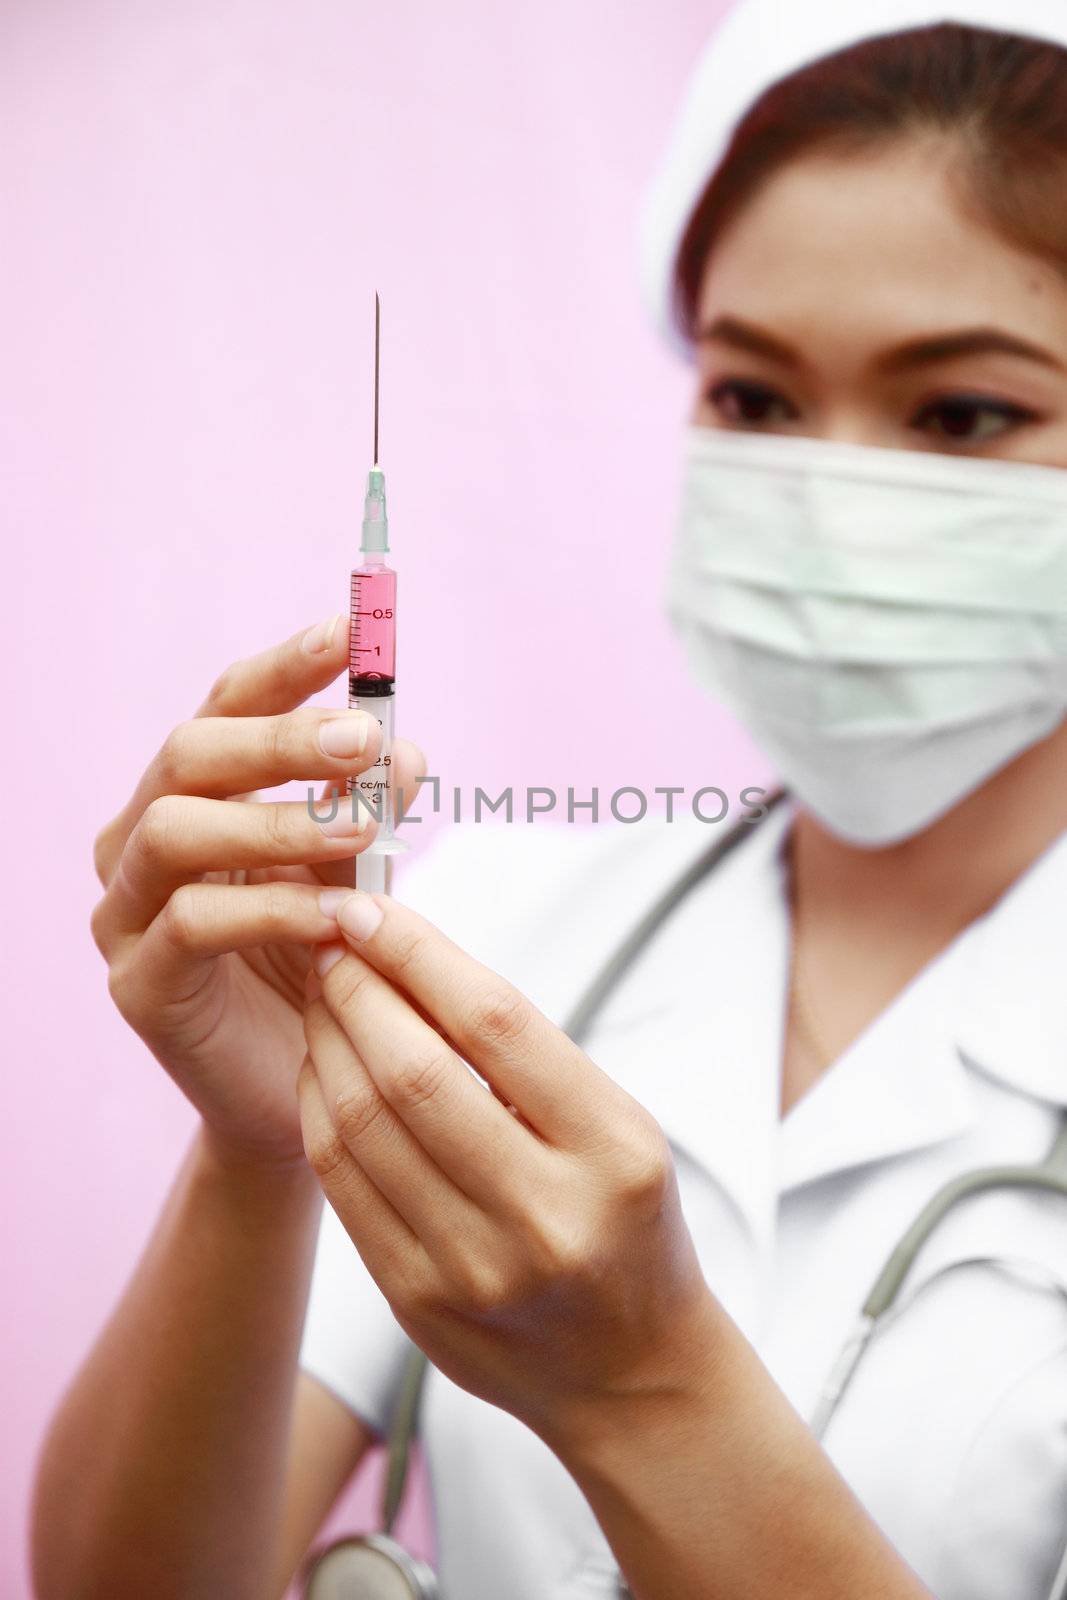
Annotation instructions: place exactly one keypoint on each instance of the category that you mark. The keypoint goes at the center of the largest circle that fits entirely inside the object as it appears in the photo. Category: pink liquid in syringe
(372, 638)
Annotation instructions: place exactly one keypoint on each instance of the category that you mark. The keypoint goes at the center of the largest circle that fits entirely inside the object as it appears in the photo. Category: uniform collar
(1013, 1020)
(994, 1000)
(695, 1030)
(899, 1087)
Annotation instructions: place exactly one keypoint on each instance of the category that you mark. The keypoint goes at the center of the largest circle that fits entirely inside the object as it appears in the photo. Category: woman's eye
(738, 400)
(971, 418)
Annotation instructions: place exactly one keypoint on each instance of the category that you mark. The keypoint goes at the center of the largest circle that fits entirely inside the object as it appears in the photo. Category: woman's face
(852, 299)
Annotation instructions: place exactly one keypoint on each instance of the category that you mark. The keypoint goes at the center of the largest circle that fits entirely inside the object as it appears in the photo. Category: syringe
(372, 662)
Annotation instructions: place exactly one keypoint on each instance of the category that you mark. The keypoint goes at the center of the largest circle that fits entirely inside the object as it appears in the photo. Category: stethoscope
(375, 1566)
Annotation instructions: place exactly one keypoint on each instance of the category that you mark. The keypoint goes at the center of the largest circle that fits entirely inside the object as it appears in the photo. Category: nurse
(633, 1264)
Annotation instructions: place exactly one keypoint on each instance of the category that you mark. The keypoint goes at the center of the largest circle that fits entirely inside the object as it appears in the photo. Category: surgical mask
(890, 625)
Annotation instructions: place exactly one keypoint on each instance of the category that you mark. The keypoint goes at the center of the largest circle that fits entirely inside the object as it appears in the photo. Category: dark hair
(1003, 96)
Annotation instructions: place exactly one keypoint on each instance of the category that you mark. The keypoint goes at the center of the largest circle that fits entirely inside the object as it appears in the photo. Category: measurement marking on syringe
(372, 632)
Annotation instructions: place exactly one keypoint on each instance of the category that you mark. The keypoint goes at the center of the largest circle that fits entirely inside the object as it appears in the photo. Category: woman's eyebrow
(962, 342)
(919, 352)
(747, 336)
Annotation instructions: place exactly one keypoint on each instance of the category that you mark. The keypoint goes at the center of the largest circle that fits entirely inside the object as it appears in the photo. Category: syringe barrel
(374, 864)
(372, 688)
(375, 784)
(372, 634)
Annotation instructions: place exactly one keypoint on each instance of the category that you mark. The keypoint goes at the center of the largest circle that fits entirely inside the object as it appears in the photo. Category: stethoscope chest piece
(372, 1567)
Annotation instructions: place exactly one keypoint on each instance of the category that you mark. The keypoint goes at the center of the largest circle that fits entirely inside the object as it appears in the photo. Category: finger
(201, 921)
(409, 764)
(466, 1131)
(268, 684)
(181, 837)
(390, 1251)
(209, 919)
(340, 873)
(570, 1102)
(223, 757)
(235, 757)
(436, 1211)
(282, 677)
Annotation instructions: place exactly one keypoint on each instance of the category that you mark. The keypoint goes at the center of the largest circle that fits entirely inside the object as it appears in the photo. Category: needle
(377, 332)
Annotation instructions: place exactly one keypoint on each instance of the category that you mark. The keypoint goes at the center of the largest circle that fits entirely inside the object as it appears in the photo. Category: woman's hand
(529, 1239)
(211, 897)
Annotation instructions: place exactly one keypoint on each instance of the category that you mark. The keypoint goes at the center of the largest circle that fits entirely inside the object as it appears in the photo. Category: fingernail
(345, 736)
(327, 956)
(352, 817)
(323, 636)
(359, 915)
(331, 899)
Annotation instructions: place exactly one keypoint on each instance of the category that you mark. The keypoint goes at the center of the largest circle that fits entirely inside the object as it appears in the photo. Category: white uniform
(954, 1432)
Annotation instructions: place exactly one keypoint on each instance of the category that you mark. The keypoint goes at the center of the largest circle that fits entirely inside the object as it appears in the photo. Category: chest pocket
(954, 1430)
(1006, 1518)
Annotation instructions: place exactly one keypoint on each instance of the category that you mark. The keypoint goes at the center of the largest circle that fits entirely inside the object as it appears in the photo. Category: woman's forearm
(162, 1471)
(707, 1484)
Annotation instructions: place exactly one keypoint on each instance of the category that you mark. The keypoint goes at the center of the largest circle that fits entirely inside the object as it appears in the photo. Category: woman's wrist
(688, 1471)
(258, 1176)
(678, 1382)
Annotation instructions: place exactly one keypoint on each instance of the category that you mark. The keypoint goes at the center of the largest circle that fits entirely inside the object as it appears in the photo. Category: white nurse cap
(759, 42)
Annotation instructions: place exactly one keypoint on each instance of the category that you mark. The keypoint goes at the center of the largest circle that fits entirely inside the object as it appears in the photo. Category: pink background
(199, 201)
